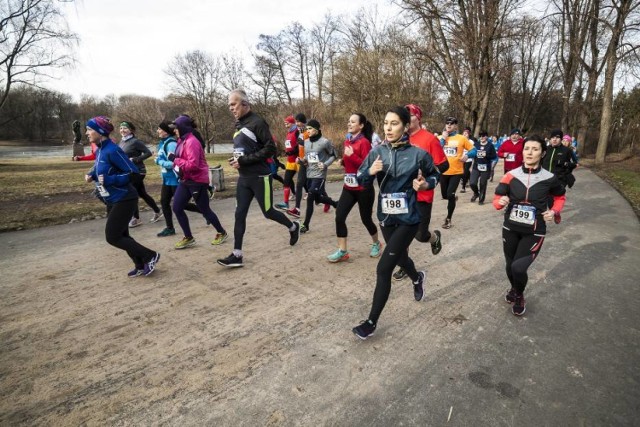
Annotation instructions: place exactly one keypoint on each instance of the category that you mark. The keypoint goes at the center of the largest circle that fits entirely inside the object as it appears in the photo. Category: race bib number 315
(394, 203)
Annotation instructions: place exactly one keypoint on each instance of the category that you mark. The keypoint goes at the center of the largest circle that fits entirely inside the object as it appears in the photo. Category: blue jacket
(115, 166)
(166, 146)
(400, 168)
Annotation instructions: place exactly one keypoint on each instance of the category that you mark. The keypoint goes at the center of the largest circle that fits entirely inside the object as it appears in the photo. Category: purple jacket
(190, 162)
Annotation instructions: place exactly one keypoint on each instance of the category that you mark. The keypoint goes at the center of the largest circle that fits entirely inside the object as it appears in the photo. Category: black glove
(171, 156)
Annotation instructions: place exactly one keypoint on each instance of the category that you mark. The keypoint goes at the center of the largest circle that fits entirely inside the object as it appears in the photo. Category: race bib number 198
(394, 203)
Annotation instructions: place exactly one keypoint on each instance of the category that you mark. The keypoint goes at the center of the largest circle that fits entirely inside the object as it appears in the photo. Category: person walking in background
(252, 146)
(291, 166)
(192, 170)
(356, 149)
(137, 152)
(524, 192)
(402, 170)
(319, 154)
(112, 175)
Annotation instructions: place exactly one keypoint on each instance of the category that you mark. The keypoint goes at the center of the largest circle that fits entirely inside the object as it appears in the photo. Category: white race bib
(523, 214)
(394, 203)
(450, 151)
(101, 190)
(481, 154)
(238, 152)
(312, 157)
(350, 180)
(287, 144)
(482, 167)
(511, 157)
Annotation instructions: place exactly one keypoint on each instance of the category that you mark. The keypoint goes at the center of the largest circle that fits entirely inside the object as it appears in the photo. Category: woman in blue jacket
(166, 146)
(111, 174)
(401, 170)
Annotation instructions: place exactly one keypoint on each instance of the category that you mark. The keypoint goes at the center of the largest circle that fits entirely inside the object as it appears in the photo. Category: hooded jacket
(166, 146)
(116, 168)
(190, 163)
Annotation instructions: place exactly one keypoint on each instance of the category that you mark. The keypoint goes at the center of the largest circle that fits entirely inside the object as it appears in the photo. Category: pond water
(46, 151)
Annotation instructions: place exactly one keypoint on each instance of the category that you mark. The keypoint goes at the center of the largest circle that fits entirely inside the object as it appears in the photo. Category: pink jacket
(190, 160)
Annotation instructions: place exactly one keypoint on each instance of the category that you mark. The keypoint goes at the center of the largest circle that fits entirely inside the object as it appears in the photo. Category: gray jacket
(315, 152)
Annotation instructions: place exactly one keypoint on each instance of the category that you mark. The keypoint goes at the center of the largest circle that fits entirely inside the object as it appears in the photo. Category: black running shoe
(231, 261)
(364, 330)
(474, 198)
(295, 234)
(518, 305)
(436, 246)
(418, 287)
(510, 297)
(399, 275)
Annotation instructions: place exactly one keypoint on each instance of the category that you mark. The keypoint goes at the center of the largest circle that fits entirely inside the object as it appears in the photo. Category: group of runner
(407, 166)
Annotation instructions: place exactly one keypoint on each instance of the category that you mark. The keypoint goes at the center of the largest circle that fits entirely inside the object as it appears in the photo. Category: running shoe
(135, 272)
(151, 265)
(326, 208)
(305, 196)
(364, 330)
(481, 200)
(220, 238)
(510, 297)
(231, 261)
(167, 232)
(418, 287)
(463, 190)
(186, 242)
(282, 206)
(338, 256)
(295, 212)
(436, 246)
(375, 249)
(135, 222)
(295, 234)
(474, 198)
(399, 275)
(303, 229)
(212, 191)
(518, 305)
(156, 217)
(447, 224)
(557, 218)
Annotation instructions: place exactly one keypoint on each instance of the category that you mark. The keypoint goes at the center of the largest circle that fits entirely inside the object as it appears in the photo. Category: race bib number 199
(523, 214)
(394, 203)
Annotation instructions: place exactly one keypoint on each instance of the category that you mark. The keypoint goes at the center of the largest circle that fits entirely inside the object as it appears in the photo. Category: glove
(171, 157)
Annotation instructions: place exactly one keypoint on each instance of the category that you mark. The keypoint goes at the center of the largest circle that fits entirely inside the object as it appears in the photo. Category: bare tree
(323, 48)
(144, 111)
(263, 77)
(298, 44)
(196, 76)
(34, 39)
(234, 74)
(277, 53)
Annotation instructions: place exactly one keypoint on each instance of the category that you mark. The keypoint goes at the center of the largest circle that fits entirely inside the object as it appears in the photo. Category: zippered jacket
(116, 168)
(253, 145)
(166, 146)
(318, 151)
(559, 161)
(190, 163)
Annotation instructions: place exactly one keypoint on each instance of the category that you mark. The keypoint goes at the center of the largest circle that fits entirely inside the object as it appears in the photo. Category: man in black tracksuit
(558, 160)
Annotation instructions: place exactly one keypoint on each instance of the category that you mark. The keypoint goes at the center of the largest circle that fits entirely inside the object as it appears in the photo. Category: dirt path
(271, 344)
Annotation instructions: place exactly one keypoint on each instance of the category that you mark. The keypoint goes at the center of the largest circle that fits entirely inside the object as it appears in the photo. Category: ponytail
(367, 129)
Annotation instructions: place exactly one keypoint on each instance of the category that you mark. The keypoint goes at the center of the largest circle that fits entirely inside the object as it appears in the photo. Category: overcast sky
(125, 45)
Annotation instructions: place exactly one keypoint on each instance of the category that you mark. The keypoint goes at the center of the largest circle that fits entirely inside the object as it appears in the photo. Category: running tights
(116, 232)
(201, 196)
(480, 178)
(520, 250)
(137, 180)
(317, 194)
(448, 186)
(301, 184)
(423, 234)
(348, 199)
(166, 195)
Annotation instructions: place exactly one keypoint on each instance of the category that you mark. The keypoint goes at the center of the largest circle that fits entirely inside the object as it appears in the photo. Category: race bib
(481, 154)
(287, 144)
(511, 157)
(350, 180)
(312, 157)
(482, 167)
(238, 152)
(101, 190)
(394, 203)
(523, 214)
(450, 151)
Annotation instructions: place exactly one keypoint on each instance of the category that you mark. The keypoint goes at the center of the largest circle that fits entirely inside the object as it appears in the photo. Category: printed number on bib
(238, 152)
(511, 157)
(394, 203)
(312, 157)
(481, 154)
(350, 180)
(102, 191)
(482, 168)
(523, 214)
(450, 151)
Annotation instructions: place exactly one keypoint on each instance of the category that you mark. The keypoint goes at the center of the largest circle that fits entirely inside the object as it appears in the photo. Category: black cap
(483, 133)
(556, 132)
(451, 120)
(300, 117)
(515, 130)
(313, 123)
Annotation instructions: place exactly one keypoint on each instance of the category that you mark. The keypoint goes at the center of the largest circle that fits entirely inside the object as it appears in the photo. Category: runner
(111, 174)
(511, 151)
(559, 162)
(466, 173)
(252, 146)
(291, 166)
(356, 149)
(454, 145)
(137, 152)
(402, 170)
(421, 138)
(192, 170)
(524, 192)
(482, 166)
(319, 154)
(301, 183)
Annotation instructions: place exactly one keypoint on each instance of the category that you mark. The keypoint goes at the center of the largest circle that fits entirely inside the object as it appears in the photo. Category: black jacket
(558, 161)
(253, 145)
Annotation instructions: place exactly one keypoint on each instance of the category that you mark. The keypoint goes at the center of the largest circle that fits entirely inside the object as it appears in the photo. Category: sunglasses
(451, 123)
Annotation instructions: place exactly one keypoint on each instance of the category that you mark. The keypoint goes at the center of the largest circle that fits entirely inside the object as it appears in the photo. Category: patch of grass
(624, 176)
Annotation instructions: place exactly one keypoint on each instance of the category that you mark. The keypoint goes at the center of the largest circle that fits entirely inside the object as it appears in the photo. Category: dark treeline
(495, 65)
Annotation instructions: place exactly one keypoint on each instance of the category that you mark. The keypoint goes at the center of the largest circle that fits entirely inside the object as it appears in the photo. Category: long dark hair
(367, 129)
(402, 112)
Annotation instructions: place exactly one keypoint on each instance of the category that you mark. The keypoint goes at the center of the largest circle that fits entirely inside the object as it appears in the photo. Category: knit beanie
(567, 138)
(314, 124)
(128, 125)
(300, 117)
(556, 133)
(290, 120)
(166, 126)
(100, 124)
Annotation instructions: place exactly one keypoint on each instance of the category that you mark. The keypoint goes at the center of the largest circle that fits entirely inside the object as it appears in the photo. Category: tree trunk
(607, 109)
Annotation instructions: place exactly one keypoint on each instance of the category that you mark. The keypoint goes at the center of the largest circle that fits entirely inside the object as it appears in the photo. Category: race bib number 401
(523, 214)
(394, 203)
(350, 180)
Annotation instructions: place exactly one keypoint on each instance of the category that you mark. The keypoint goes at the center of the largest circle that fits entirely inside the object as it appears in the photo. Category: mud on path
(270, 343)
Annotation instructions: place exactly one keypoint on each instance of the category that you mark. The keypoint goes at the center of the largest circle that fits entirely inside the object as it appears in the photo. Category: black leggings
(466, 174)
(520, 250)
(288, 179)
(317, 194)
(301, 184)
(423, 235)
(482, 177)
(166, 195)
(116, 232)
(448, 186)
(197, 191)
(398, 239)
(348, 200)
(137, 180)
(260, 188)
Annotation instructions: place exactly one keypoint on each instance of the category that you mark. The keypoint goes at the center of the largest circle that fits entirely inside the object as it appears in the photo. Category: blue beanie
(100, 124)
